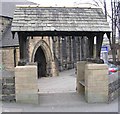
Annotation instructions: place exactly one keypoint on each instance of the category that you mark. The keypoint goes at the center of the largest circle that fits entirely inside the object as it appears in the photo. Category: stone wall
(7, 86)
(4, 22)
(34, 42)
(92, 81)
(8, 57)
(46, 45)
(96, 80)
(26, 87)
(114, 88)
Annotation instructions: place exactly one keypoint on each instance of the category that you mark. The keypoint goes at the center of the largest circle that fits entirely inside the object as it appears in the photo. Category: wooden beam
(99, 41)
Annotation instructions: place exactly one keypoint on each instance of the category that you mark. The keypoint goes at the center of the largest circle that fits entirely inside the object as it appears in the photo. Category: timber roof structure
(35, 18)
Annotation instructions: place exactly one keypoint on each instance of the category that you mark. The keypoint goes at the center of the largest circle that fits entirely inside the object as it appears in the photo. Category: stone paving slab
(65, 82)
(61, 102)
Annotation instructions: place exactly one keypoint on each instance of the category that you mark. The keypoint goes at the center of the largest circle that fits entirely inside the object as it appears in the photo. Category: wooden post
(23, 48)
(77, 49)
(61, 55)
(82, 47)
(68, 52)
(74, 49)
(72, 62)
(90, 46)
(99, 41)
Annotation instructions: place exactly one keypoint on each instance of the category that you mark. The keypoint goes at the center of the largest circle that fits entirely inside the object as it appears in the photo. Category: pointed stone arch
(48, 55)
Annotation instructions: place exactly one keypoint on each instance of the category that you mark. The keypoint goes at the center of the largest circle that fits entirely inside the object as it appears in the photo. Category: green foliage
(1, 67)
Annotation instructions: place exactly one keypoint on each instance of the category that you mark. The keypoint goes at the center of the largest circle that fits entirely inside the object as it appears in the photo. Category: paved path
(62, 97)
(61, 102)
(65, 82)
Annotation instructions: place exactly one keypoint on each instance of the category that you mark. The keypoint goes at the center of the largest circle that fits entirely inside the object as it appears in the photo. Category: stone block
(96, 83)
(80, 89)
(26, 91)
(97, 66)
(96, 89)
(8, 98)
(81, 70)
(54, 69)
(26, 84)
(23, 79)
(96, 97)
(8, 91)
(27, 98)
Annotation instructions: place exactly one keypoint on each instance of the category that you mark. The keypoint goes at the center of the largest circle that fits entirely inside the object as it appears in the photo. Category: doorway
(41, 62)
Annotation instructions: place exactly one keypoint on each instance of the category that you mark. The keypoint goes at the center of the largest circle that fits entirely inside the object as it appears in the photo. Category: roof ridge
(38, 5)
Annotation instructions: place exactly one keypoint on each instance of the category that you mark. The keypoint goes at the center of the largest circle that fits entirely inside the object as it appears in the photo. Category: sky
(63, 2)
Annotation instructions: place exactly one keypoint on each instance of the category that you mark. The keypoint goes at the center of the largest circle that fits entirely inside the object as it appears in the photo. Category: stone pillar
(54, 69)
(57, 51)
(80, 76)
(26, 85)
(96, 83)
(54, 65)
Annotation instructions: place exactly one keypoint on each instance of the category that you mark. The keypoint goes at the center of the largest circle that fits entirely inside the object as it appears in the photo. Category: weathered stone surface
(96, 80)
(55, 71)
(8, 98)
(8, 58)
(26, 84)
(97, 66)
(8, 87)
(27, 98)
(114, 90)
(92, 81)
(80, 76)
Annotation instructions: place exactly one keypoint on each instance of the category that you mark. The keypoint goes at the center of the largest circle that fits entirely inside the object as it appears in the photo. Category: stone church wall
(8, 58)
(47, 46)
(33, 42)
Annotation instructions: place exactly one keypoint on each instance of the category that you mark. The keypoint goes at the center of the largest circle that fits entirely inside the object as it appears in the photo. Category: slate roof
(7, 10)
(7, 39)
(35, 18)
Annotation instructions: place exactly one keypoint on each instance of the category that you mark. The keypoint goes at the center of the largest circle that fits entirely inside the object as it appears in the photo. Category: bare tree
(115, 19)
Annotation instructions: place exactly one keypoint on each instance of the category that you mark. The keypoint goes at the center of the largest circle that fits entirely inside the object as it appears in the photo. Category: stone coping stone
(96, 66)
(26, 66)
